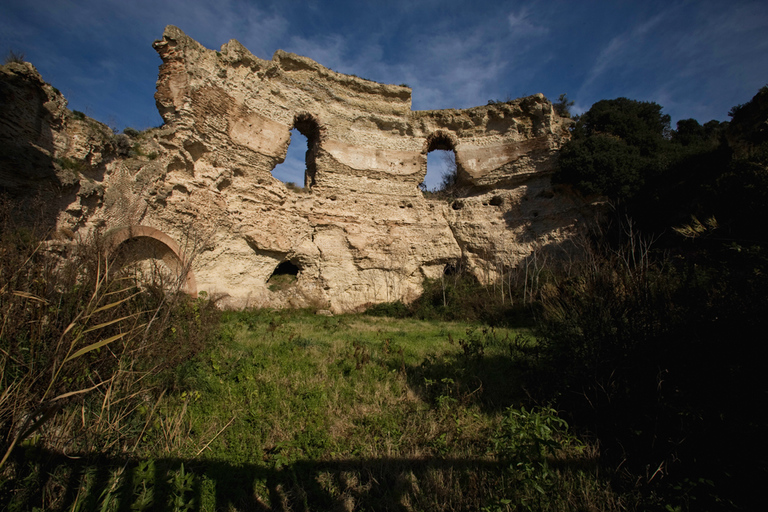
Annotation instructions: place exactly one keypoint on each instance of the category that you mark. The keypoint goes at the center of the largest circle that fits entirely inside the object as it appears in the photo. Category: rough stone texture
(361, 232)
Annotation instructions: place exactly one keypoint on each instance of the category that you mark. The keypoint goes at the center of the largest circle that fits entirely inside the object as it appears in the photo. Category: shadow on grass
(50, 480)
(492, 382)
(485, 370)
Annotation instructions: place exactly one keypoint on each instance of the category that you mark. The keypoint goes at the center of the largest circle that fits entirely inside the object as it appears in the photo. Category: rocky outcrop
(361, 231)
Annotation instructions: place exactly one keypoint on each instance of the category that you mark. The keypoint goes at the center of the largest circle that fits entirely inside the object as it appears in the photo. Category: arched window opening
(286, 274)
(298, 169)
(441, 165)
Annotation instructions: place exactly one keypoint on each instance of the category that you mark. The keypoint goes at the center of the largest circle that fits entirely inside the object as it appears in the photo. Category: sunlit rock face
(360, 232)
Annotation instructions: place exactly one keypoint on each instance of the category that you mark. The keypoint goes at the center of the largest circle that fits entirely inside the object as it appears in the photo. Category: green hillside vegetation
(628, 377)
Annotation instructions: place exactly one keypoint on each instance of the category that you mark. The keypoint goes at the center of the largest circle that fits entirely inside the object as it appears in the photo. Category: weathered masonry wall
(361, 231)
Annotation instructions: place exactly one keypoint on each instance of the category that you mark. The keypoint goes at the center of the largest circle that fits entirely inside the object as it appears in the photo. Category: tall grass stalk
(74, 337)
(78, 333)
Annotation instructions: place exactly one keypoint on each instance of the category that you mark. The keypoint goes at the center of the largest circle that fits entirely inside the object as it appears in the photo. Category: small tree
(563, 106)
(449, 178)
(448, 186)
(14, 56)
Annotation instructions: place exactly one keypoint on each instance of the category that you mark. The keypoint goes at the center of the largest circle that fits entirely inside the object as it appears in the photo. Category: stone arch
(148, 243)
(440, 140)
(308, 126)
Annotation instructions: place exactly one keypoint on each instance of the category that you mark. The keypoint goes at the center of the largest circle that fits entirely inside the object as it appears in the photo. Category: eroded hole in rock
(546, 194)
(441, 171)
(223, 184)
(195, 149)
(285, 275)
(452, 269)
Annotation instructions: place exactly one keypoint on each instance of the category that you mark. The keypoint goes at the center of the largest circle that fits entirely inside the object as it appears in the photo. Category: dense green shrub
(391, 309)
(462, 297)
(603, 165)
(528, 442)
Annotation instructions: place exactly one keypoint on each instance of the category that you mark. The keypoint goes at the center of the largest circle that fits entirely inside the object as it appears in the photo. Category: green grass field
(289, 410)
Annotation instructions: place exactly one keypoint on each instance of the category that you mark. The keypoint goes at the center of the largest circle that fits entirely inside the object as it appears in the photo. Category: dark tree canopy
(689, 132)
(702, 191)
(616, 145)
(624, 150)
(602, 165)
(750, 120)
(639, 123)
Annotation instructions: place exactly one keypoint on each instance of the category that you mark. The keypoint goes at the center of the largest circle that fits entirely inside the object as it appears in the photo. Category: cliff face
(360, 232)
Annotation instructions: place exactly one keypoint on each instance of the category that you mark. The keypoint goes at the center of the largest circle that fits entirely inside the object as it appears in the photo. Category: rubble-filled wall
(360, 232)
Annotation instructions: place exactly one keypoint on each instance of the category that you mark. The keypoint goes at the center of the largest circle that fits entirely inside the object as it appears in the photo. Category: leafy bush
(122, 144)
(603, 165)
(617, 145)
(293, 187)
(391, 309)
(527, 441)
(640, 123)
(563, 106)
(72, 164)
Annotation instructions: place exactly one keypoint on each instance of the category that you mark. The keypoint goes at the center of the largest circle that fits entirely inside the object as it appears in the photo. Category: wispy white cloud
(332, 50)
(617, 50)
(693, 57)
(521, 24)
(214, 24)
(456, 71)
(443, 70)
(294, 167)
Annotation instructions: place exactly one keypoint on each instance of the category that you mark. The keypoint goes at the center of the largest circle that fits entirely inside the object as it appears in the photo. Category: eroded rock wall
(361, 231)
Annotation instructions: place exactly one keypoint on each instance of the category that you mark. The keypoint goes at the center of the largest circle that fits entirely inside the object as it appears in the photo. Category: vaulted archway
(143, 244)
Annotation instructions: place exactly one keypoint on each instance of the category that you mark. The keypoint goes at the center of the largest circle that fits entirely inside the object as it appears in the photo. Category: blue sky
(695, 58)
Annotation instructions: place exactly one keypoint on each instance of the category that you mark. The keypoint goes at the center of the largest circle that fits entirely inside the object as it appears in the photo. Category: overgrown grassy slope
(294, 411)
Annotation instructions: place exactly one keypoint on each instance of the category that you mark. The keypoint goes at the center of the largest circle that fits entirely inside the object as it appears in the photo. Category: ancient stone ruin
(198, 194)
